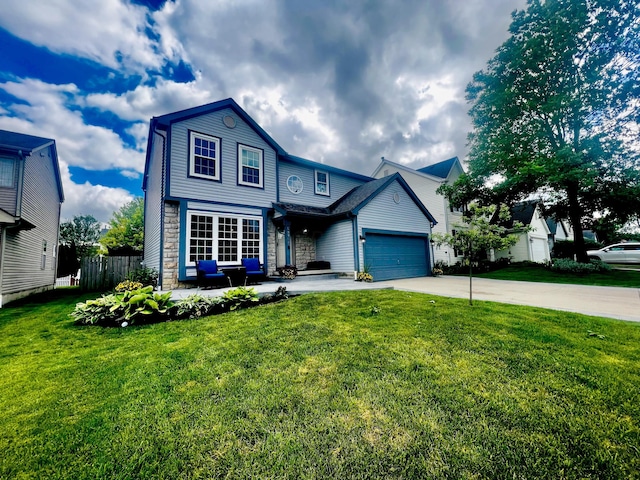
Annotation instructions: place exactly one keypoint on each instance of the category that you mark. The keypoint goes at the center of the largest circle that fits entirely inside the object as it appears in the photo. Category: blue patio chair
(254, 271)
(208, 274)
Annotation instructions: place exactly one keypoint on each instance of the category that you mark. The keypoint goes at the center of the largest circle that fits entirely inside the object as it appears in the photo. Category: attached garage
(391, 256)
(539, 249)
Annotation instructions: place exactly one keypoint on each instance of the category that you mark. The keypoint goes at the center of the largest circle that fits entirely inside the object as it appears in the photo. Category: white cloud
(47, 113)
(147, 101)
(88, 199)
(111, 32)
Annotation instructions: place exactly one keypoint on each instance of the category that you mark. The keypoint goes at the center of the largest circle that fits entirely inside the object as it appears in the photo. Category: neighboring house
(30, 199)
(558, 230)
(533, 245)
(217, 186)
(424, 182)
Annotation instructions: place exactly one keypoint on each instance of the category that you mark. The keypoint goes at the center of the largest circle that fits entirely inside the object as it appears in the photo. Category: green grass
(615, 278)
(320, 387)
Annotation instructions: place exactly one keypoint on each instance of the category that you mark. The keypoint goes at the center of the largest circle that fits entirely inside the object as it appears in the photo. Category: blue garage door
(396, 256)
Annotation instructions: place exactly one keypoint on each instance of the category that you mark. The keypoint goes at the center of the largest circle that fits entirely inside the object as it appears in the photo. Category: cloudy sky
(342, 82)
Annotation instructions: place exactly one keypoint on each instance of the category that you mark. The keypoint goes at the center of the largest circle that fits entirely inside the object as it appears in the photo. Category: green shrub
(566, 265)
(566, 248)
(240, 297)
(144, 275)
(101, 311)
(196, 306)
(143, 302)
(123, 308)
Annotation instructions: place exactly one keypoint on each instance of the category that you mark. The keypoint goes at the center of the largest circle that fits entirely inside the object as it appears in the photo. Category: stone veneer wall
(171, 245)
(271, 247)
(305, 250)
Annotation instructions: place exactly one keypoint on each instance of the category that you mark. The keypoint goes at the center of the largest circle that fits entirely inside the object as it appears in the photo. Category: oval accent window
(229, 121)
(396, 197)
(294, 184)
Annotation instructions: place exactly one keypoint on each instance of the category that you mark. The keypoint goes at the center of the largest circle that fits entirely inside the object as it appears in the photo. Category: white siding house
(30, 199)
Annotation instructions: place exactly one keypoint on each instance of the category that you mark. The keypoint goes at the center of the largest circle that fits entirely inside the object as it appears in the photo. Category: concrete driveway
(612, 302)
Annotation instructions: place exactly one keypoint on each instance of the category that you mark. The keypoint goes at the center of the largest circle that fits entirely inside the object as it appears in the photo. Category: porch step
(308, 275)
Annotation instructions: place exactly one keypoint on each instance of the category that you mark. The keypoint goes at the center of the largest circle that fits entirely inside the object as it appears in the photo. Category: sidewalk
(612, 302)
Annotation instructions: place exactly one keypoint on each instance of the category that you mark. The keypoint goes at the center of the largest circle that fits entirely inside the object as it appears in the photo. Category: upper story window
(250, 171)
(204, 157)
(7, 172)
(322, 182)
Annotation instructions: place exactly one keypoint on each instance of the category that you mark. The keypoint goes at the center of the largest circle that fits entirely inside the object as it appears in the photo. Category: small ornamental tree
(482, 231)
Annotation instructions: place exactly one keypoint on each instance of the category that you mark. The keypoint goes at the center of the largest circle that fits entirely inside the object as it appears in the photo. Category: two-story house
(217, 186)
(424, 182)
(30, 199)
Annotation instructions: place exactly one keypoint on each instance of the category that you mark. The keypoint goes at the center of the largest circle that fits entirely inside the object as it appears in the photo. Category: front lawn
(365, 384)
(532, 273)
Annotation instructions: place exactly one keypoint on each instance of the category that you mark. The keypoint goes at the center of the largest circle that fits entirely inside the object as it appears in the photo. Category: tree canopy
(556, 111)
(78, 239)
(83, 233)
(127, 228)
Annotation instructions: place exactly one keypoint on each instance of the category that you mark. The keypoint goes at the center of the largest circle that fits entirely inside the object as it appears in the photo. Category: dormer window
(249, 166)
(322, 182)
(204, 156)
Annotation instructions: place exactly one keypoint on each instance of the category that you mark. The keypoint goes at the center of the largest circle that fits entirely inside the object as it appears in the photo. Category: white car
(628, 252)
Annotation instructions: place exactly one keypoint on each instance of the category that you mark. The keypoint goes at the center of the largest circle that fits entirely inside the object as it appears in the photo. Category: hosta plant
(240, 297)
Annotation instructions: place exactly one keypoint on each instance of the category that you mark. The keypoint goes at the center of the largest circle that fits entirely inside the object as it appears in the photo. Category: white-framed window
(7, 172)
(223, 237)
(322, 182)
(204, 156)
(249, 166)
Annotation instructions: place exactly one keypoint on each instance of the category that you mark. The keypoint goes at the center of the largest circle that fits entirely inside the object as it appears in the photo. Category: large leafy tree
(127, 228)
(556, 110)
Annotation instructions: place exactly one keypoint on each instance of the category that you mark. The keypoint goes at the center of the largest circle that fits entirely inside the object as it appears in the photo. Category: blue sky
(340, 82)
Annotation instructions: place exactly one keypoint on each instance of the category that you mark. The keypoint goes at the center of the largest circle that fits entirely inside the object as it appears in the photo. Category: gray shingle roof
(440, 169)
(14, 141)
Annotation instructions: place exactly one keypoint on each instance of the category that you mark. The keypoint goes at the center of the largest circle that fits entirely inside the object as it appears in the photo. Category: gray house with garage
(218, 187)
(30, 199)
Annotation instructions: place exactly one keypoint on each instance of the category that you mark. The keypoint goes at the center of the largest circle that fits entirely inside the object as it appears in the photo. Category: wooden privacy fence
(104, 273)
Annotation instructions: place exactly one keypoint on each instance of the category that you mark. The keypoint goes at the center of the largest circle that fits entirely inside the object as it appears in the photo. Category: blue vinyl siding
(40, 206)
(226, 189)
(382, 213)
(336, 246)
(154, 205)
(338, 185)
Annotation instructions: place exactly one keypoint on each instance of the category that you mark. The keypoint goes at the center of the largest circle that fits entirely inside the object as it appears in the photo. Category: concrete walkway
(612, 302)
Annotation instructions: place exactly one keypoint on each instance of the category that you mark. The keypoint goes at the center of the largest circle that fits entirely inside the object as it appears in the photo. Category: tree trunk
(470, 273)
(575, 217)
(470, 284)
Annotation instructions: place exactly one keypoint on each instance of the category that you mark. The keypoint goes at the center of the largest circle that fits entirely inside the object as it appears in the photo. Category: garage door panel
(396, 256)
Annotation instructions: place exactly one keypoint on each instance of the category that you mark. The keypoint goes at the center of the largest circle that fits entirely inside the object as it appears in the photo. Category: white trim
(260, 168)
(315, 182)
(216, 159)
(214, 238)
